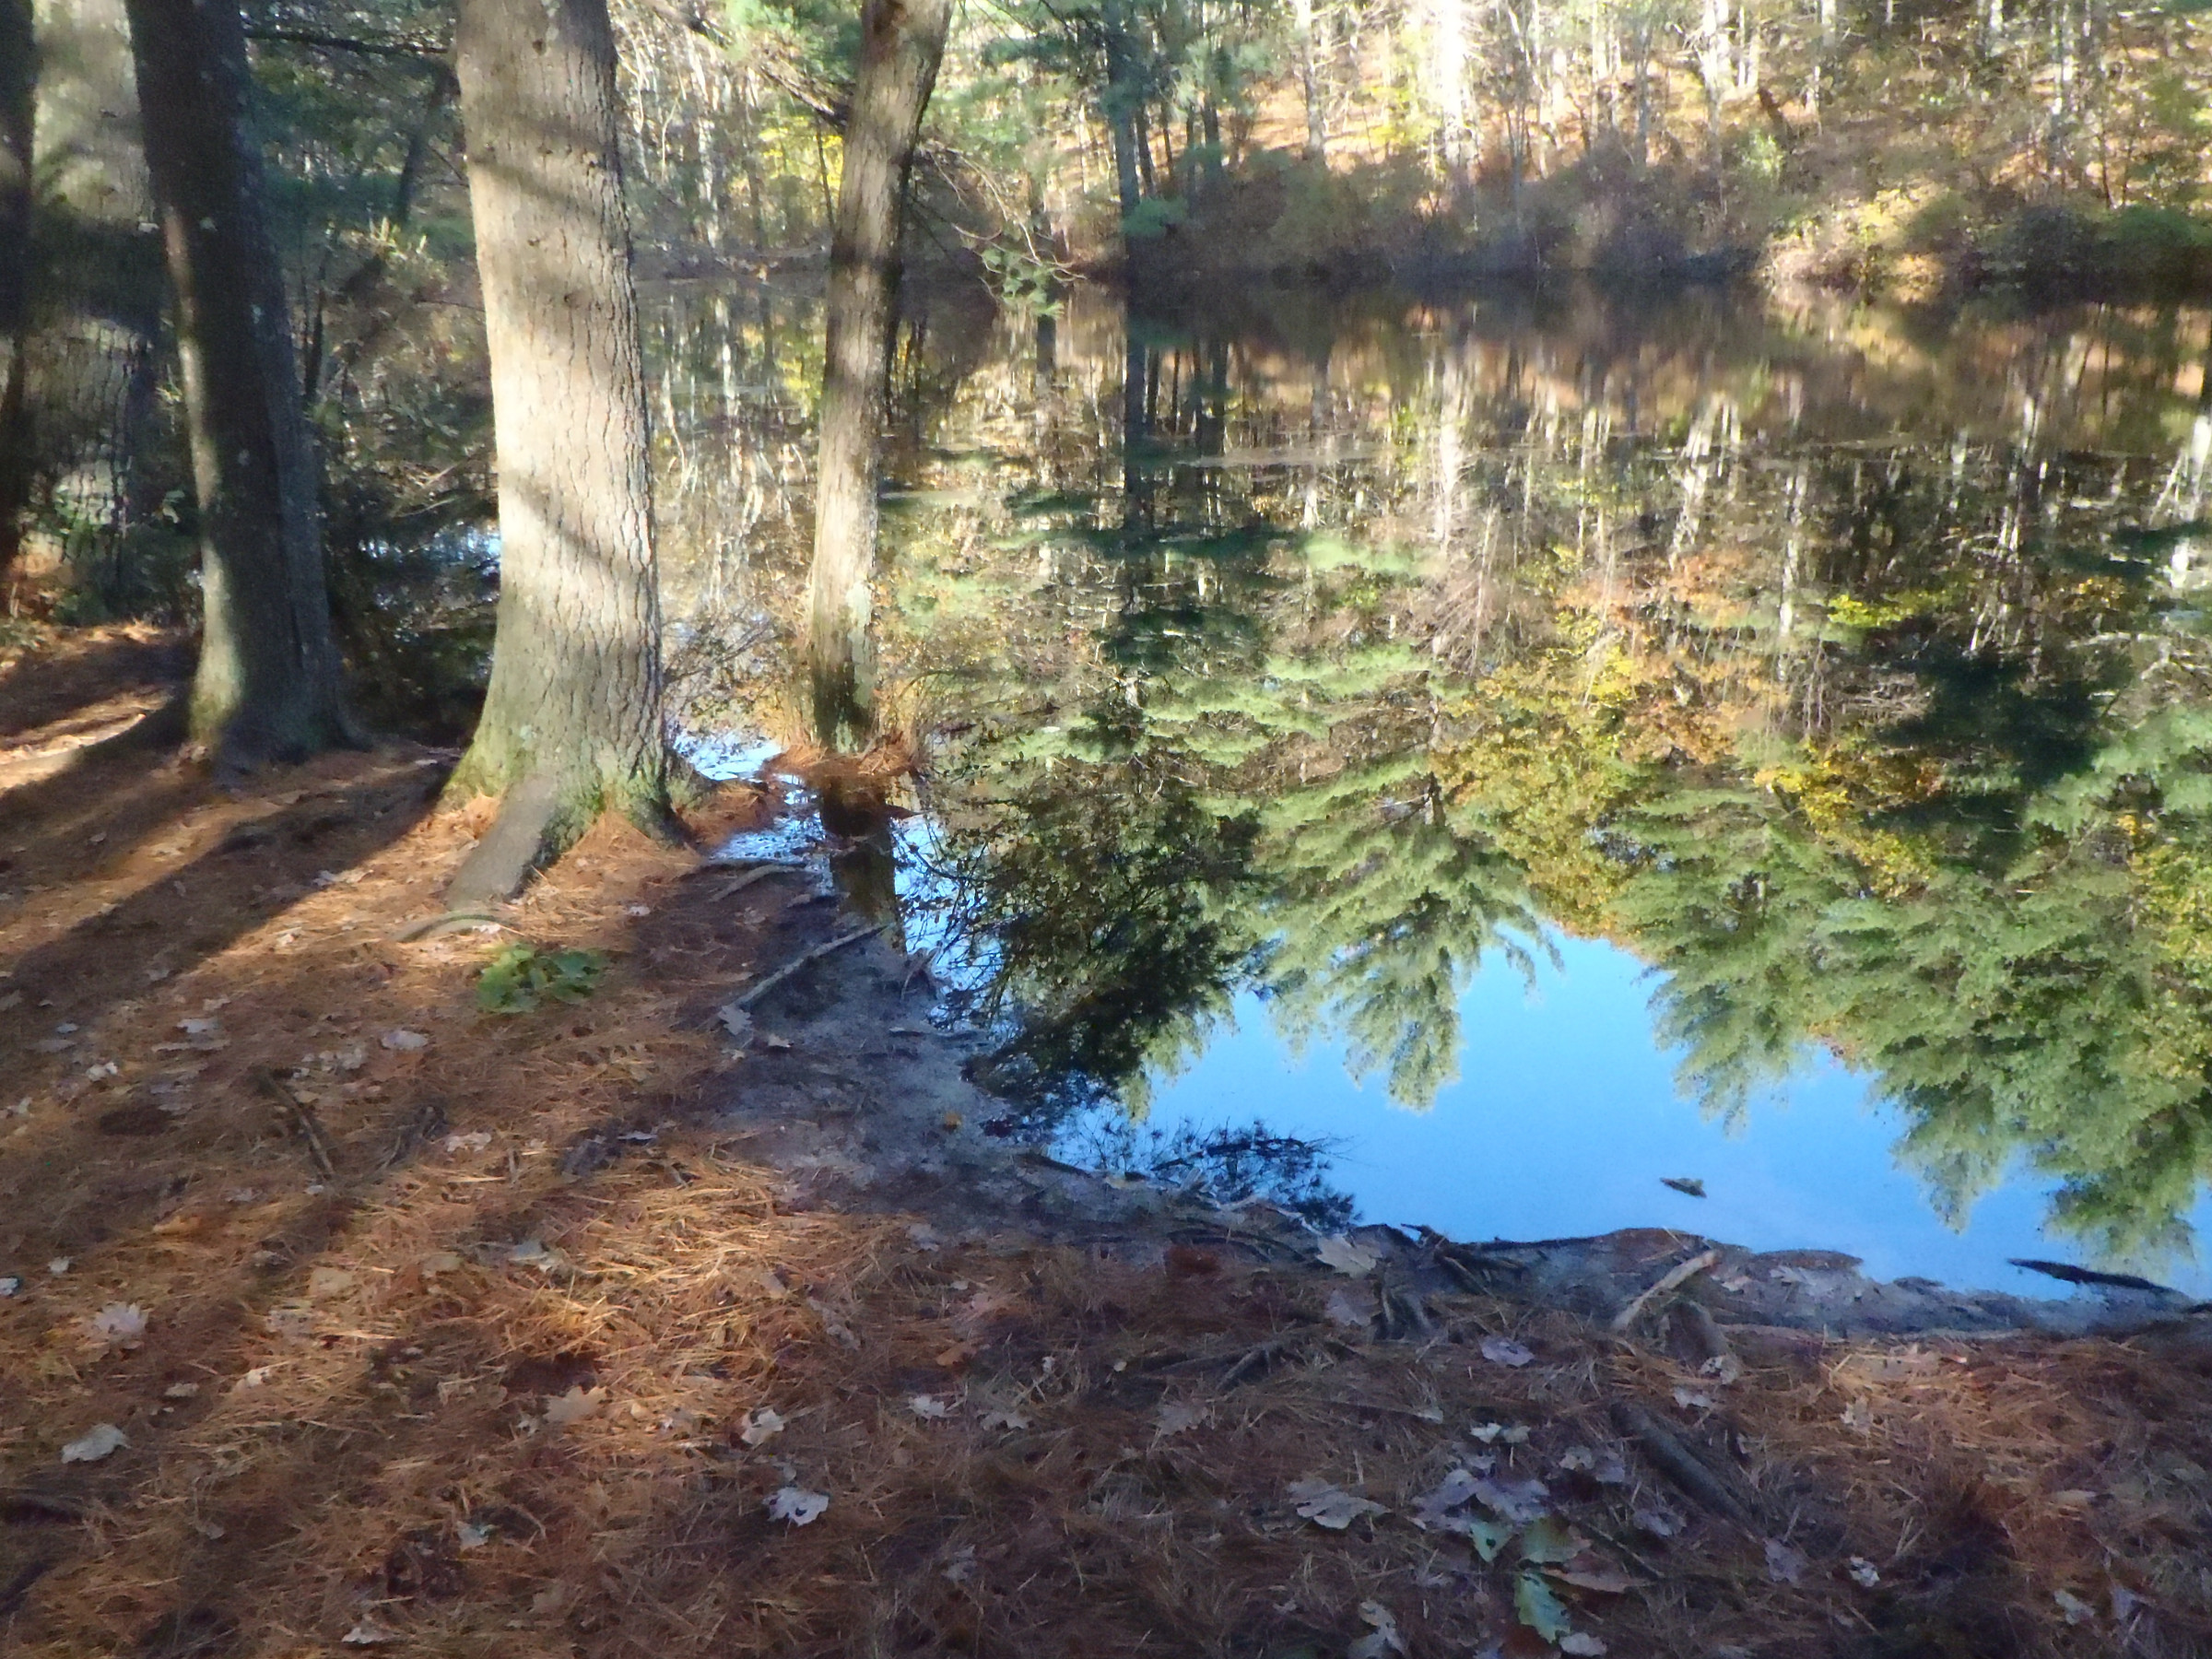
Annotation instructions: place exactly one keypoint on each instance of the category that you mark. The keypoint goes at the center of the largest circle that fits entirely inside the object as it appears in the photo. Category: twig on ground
(819, 951)
(303, 1119)
(1673, 1458)
(737, 884)
(1674, 1278)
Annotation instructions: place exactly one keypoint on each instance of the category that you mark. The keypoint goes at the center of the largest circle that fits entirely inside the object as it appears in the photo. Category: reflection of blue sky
(1565, 1117)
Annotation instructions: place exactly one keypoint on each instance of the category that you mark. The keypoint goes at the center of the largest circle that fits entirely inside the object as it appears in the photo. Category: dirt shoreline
(552, 1335)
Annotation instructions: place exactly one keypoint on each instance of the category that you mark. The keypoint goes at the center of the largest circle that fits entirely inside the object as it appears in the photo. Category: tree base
(518, 843)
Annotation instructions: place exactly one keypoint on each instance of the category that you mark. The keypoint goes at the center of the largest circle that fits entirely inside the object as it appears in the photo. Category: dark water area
(1469, 762)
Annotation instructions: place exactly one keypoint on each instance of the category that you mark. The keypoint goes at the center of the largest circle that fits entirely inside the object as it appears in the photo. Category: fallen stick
(18, 1503)
(737, 884)
(791, 967)
(303, 1120)
(1674, 1278)
(1674, 1460)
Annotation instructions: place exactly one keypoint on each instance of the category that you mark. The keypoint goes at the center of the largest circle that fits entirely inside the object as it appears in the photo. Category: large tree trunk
(17, 89)
(571, 722)
(267, 685)
(902, 41)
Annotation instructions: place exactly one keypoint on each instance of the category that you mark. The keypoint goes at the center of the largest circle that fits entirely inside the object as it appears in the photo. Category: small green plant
(520, 976)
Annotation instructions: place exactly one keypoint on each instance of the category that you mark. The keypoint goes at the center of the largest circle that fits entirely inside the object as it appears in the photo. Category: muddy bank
(848, 1089)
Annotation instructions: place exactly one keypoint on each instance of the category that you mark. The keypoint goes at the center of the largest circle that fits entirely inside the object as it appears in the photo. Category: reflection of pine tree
(1111, 896)
(1381, 912)
(2041, 1011)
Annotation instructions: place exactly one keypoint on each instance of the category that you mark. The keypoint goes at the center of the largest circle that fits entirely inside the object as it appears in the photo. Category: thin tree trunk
(267, 685)
(901, 43)
(1309, 80)
(18, 88)
(95, 294)
(1124, 94)
(571, 722)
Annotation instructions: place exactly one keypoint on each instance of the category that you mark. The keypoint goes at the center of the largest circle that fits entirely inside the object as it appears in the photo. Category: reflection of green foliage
(1385, 911)
(520, 976)
(1110, 894)
(1924, 806)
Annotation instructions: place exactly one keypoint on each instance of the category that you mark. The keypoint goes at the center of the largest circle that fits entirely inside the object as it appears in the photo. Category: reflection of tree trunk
(17, 91)
(267, 685)
(1643, 94)
(572, 721)
(902, 41)
(863, 854)
(1048, 354)
(1135, 479)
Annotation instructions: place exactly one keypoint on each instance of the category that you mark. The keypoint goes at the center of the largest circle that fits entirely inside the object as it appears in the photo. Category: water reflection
(1849, 672)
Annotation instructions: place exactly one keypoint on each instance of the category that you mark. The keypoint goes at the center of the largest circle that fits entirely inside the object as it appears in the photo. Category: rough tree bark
(266, 687)
(902, 42)
(18, 83)
(571, 722)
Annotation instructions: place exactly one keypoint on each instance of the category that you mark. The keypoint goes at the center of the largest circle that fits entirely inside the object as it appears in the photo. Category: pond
(1472, 760)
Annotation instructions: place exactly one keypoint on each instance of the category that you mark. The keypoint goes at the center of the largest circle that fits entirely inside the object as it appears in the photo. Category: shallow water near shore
(1524, 751)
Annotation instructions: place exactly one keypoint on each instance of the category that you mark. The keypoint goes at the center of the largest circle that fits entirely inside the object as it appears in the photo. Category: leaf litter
(663, 1263)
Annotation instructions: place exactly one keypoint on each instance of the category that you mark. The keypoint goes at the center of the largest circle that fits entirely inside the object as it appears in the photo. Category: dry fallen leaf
(928, 1407)
(574, 1407)
(797, 1505)
(1504, 1350)
(1175, 1415)
(1432, 1507)
(369, 1633)
(119, 1322)
(1519, 1502)
(1581, 1644)
(1383, 1634)
(1587, 1572)
(1865, 1573)
(1349, 1257)
(95, 1443)
(1784, 1565)
(761, 1425)
(1343, 1310)
(1657, 1522)
(1331, 1506)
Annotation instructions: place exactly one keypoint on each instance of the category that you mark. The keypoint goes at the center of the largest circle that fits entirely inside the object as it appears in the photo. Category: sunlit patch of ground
(544, 1363)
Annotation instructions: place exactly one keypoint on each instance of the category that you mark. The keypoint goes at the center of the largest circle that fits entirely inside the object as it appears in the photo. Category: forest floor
(340, 1314)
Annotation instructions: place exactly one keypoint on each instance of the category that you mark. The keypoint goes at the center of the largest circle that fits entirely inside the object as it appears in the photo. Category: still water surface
(1533, 748)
